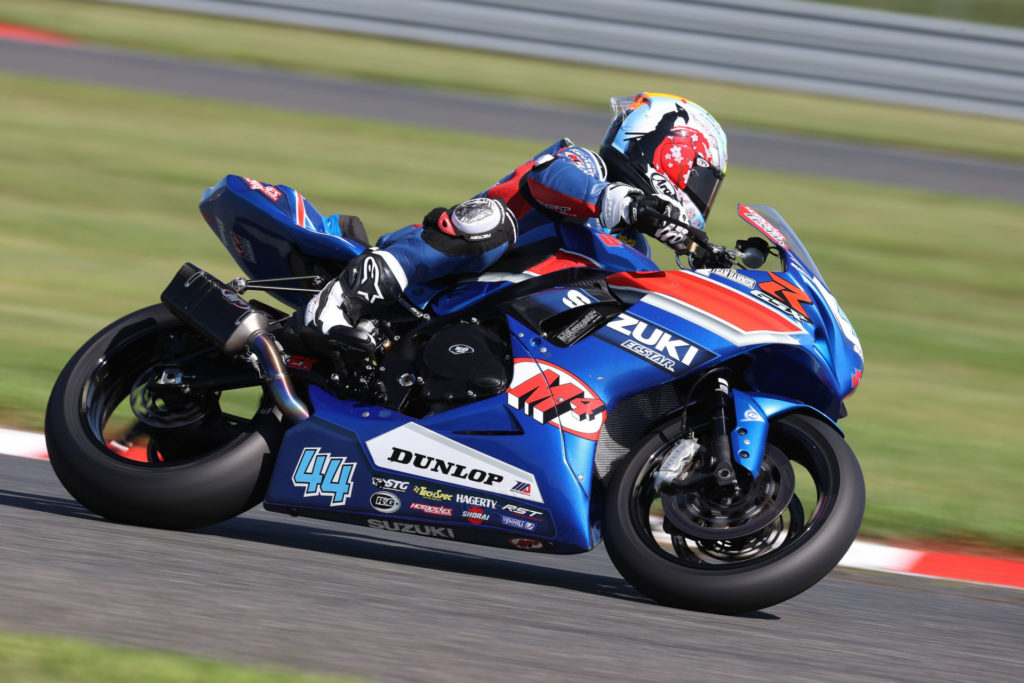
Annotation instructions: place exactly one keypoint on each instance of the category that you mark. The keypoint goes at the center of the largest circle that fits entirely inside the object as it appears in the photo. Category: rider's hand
(648, 213)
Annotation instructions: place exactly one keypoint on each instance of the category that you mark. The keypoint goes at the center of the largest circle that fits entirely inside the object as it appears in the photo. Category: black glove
(646, 213)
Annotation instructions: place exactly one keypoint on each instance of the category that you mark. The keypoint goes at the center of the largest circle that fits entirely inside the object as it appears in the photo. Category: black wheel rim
(147, 431)
(800, 517)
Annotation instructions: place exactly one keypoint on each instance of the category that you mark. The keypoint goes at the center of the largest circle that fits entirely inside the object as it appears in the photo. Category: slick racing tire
(170, 461)
(806, 532)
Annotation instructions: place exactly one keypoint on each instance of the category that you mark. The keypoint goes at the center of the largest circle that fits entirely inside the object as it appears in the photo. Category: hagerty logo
(443, 459)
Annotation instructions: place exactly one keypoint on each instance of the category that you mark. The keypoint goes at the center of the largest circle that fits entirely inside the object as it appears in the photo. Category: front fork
(745, 444)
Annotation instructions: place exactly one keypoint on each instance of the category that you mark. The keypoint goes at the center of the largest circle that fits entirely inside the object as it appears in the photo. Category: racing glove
(643, 213)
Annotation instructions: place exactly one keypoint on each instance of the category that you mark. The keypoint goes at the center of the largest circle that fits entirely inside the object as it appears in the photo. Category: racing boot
(338, 312)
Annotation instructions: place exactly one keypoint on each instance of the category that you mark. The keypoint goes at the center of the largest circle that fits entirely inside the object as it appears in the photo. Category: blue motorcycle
(573, 393)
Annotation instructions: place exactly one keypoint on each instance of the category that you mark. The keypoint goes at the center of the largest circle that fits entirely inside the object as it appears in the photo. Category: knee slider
(477, 224)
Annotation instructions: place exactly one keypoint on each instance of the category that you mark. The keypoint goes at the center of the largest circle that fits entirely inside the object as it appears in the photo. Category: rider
(661, 154)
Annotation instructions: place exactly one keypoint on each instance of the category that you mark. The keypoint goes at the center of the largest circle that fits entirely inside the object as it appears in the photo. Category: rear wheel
(149, 424)
(762, 542)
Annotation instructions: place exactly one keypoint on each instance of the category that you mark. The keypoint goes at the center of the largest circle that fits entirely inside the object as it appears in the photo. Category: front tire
(750, 572)
(197, 466)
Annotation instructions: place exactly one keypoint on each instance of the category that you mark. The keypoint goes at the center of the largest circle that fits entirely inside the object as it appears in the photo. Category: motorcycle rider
(661, 153)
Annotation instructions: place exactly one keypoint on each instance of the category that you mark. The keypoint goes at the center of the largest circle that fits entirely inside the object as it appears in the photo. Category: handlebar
(696, 237)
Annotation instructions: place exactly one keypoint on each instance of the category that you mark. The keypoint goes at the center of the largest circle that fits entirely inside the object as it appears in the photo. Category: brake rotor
(710, 513)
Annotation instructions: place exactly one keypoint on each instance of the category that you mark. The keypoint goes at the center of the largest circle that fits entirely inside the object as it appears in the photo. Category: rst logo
(324, 475)
(521, 511)
(653, 344)
(550, 395)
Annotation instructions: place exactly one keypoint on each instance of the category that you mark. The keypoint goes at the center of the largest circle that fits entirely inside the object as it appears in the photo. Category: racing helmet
(667, 145)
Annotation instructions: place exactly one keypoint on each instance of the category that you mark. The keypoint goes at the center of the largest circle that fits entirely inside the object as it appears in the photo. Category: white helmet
(664, 144)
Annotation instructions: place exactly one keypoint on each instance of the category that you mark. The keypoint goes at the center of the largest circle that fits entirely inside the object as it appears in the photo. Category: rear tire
(221, 466)
(754, 571)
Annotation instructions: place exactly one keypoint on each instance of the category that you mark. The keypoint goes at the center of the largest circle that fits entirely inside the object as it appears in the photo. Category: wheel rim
(797, 510)
(136, 420)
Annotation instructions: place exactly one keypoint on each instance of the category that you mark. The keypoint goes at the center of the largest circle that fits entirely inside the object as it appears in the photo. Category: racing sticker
(550, 395)
(323, 474)
(763, 225)
(653, 344)
(784, 296)
(271, 192)
(407, 528)
(415, 450)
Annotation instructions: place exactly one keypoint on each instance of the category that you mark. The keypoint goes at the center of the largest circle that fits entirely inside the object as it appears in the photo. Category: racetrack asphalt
(264, 588)
(771, 151)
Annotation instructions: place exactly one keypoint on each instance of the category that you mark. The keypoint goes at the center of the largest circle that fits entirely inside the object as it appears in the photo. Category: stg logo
(324, 475)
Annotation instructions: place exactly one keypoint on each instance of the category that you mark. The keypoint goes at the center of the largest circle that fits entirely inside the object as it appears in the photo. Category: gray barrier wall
(786, 44)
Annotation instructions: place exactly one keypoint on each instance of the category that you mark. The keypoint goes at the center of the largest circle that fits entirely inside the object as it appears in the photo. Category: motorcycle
(570, 394)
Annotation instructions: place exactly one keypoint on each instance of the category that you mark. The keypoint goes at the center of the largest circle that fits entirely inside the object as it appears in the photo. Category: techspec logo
(417, 451)
(550, 395)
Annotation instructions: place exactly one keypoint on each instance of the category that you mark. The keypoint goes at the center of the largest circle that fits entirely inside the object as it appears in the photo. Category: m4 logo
(324, 475)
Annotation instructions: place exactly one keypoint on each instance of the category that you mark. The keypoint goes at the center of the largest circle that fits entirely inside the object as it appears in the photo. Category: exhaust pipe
(231, 324)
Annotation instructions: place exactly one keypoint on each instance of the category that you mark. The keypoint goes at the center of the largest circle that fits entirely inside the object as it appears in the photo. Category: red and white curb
(23, 444)
(862, 555)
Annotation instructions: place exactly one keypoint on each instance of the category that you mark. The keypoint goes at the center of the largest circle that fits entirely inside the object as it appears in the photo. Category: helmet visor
(702, 185)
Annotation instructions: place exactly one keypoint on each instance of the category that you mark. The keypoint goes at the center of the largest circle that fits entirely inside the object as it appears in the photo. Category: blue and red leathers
(563, 184)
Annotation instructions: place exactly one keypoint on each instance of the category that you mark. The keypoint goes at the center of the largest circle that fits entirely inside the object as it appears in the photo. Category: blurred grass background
(43, 659)
(100, 187)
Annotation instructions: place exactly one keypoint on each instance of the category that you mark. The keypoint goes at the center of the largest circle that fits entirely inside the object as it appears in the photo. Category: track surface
(797, 154)
(336, 598)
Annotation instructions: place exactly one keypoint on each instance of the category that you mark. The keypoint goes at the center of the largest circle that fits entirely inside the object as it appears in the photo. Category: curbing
(865, 555)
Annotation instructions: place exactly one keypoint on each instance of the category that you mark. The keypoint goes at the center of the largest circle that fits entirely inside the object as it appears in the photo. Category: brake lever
(698, 237)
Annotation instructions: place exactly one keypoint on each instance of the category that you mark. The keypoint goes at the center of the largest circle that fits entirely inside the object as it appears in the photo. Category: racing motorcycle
(572, 393)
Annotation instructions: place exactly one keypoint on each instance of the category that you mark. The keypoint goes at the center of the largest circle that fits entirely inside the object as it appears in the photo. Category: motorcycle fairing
(272, 231)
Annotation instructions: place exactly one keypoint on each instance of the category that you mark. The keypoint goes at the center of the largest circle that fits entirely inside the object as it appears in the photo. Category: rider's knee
(475, 226)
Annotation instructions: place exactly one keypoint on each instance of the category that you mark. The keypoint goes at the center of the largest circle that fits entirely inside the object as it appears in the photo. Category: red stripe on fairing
(300, 209)
(720, 301)
(561, 260)
(31, 35)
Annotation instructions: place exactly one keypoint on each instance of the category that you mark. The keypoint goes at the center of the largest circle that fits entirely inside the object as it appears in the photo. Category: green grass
(100, 186)
(510, 76)
(1000, 12)
(43, 659)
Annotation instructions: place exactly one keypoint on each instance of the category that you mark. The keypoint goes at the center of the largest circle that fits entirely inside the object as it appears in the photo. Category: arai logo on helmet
(460, 349)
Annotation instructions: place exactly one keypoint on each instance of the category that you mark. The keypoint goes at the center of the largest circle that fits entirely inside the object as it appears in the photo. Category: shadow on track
(349, 542)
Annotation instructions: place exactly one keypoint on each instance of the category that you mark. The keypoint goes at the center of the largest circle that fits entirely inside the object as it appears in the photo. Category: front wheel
(149, 424)
(811, 484)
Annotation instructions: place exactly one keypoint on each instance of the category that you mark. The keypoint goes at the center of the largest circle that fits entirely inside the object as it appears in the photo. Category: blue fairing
(272, 231)
(517, 469)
